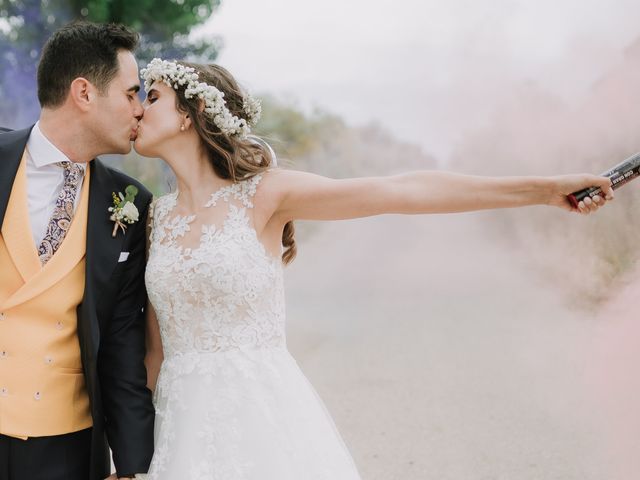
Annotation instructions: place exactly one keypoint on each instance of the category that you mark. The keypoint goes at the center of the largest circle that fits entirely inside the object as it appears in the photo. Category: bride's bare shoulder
(272, 189)
(279, 179)
(273, 181)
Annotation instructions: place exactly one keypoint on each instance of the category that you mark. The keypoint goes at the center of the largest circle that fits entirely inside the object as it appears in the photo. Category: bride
(231, 402)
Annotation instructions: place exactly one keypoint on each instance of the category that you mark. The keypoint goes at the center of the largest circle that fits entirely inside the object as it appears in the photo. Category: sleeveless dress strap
(242, 191)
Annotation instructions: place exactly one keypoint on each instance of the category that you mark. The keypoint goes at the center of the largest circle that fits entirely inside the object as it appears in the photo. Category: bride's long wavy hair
(231, 157)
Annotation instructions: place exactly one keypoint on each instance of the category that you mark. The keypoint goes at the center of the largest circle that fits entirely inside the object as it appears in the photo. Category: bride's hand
(566, 184)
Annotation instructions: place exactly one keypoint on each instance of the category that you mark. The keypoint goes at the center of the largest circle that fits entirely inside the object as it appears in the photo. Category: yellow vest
(42, 387)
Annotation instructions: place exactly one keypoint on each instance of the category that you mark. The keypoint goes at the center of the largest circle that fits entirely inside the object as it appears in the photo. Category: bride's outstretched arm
(301, 195)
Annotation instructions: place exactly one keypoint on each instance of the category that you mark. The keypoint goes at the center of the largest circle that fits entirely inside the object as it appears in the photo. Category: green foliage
(323, 143)
(289, 129)
(25, 25)
(164, 25)
(160, 18)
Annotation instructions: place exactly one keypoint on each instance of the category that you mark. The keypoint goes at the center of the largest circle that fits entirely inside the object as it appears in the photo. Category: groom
(72, 375)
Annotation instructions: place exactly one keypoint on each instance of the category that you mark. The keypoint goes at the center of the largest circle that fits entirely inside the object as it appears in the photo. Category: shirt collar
(43, 152)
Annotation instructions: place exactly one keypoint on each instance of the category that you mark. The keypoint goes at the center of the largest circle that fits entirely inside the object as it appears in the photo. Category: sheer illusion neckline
(176, 194)
(242, 190)
(177, 225)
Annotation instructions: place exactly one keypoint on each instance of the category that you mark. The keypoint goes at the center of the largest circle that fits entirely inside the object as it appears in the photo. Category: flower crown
(176, 75)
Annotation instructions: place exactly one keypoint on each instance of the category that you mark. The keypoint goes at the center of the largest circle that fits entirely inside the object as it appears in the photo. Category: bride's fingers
(582, 208)
(596, 202)
(591, 204)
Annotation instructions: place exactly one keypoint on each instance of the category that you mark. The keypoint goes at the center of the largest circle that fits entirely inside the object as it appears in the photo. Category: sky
(430, 70)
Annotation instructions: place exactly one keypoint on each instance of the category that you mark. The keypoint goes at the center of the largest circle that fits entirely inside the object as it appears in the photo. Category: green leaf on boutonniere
(130, 193)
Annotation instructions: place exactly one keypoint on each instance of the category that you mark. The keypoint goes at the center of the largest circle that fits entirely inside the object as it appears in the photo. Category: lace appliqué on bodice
(213, 285)
(231, 403)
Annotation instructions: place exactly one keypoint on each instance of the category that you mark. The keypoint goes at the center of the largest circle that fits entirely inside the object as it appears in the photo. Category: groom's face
(119, 108)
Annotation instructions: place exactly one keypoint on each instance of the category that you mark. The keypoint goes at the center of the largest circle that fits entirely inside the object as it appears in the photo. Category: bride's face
(160, 123)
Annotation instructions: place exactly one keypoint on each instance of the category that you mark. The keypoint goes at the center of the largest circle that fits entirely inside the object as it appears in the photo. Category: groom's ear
(82, 93)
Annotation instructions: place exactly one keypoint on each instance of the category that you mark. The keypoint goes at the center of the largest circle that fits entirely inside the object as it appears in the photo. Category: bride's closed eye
(152, 96)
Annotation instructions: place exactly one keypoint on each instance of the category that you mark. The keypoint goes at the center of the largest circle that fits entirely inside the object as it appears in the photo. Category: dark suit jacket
(111, 326)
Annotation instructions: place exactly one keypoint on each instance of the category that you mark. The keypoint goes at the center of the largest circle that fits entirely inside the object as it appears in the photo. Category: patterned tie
(62, 213)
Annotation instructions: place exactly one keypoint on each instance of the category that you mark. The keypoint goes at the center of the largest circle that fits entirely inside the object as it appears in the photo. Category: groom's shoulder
(13, 143)
(9, 135)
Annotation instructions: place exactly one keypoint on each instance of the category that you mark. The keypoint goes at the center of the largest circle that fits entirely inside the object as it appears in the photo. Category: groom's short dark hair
(81, 49)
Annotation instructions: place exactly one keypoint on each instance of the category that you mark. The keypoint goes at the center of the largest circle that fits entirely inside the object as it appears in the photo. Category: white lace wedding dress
(231, 402)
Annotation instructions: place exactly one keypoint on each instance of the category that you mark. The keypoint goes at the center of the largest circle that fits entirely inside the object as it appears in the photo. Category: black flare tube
(620, 174)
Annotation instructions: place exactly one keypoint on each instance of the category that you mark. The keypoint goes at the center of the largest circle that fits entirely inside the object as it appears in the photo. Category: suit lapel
(103, 250)
(70, 253)
(16, 228)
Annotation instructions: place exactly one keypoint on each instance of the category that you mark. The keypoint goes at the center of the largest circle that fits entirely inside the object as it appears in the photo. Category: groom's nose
(138, 110)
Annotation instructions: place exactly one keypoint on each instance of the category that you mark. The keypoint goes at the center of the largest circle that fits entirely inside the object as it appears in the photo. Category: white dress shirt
(44, 181)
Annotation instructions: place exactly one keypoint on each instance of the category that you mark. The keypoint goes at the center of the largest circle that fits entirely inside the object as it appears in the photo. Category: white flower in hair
(253, 108)
(176, 75)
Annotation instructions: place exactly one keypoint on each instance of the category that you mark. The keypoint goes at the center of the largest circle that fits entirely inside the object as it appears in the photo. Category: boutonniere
(124, 210)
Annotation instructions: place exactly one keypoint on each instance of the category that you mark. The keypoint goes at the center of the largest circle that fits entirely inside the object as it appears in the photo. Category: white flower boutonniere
(124, 210)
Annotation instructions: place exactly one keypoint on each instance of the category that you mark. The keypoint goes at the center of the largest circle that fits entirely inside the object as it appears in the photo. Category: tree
(26, 24)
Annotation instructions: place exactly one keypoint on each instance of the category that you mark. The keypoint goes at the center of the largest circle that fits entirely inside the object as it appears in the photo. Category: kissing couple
(156, 329)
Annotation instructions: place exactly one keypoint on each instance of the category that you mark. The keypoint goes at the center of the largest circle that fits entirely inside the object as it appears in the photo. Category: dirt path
(440, 356)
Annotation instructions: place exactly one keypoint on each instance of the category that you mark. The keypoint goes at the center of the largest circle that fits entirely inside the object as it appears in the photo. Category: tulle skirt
(243, 415)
